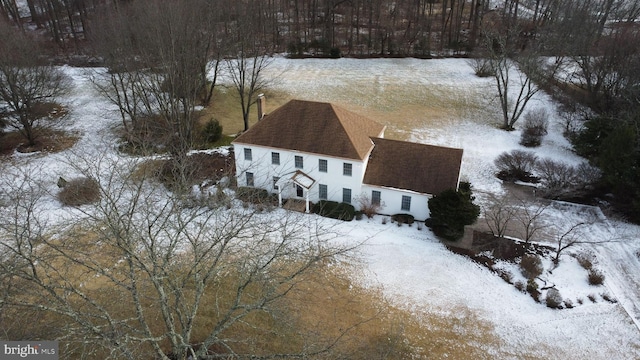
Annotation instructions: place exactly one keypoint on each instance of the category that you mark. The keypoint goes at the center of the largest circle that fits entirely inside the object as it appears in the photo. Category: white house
(319, 151)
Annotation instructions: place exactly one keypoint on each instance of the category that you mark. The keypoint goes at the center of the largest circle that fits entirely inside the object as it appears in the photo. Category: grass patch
(9, 142)
(224, 141)
(322, 305)
(225, 107)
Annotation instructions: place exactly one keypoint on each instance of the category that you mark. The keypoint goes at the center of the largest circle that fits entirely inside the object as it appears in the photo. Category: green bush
(451, 210)
(212, 131)
(335, 210)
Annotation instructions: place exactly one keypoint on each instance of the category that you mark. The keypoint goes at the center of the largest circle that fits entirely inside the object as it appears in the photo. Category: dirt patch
(50, 141)
(198, 169)
(499, 247)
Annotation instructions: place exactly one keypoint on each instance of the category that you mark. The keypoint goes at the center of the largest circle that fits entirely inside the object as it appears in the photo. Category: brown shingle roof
(404, 165)
(314, 127)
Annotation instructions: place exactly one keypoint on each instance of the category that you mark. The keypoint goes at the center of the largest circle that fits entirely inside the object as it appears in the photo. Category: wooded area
(352, 27)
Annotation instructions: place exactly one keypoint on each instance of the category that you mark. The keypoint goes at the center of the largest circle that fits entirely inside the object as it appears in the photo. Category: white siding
(391, 201)
(264, 171)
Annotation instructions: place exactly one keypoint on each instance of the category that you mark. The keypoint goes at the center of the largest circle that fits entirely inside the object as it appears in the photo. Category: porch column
(307, 202)
(280, 195)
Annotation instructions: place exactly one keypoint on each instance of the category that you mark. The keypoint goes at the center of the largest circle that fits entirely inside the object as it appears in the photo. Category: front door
(299, 191)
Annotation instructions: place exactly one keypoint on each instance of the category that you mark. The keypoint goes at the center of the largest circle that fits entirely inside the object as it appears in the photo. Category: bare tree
(9, 10)
(518, 215)
(246, 72)
(529, 218)
(590, 229)
(567, 238)
(141, 274)
(26, 81)
(498, 214)
(516, 67)
(158, 54)
(246, 68)
(504, 69)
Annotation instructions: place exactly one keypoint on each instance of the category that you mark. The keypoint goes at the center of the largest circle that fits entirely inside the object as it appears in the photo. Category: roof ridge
(347, 131)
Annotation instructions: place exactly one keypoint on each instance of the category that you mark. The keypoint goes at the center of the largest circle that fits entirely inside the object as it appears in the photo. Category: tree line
(350, 27)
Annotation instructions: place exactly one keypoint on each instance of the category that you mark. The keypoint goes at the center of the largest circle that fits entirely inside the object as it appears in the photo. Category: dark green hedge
(335, 210)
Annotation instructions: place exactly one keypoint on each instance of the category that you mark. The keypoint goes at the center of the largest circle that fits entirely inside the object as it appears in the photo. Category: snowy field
(442, 102)
(438, 102)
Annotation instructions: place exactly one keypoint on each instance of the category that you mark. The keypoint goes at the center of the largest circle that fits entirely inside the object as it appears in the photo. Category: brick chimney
(261, 102)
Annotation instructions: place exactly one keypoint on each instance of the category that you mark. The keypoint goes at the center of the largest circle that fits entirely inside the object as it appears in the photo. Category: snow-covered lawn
(438, 102)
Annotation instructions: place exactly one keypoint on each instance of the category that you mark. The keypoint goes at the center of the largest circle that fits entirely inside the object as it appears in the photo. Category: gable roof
(314, 127)
(411, 166)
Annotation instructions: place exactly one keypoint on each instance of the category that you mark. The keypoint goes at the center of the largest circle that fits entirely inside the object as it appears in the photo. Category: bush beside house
(334, 210)
(451, 210)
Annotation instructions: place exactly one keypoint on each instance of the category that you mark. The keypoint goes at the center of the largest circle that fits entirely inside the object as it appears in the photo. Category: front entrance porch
(302, 184)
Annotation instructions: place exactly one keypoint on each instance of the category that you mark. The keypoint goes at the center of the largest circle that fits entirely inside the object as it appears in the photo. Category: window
(346, 196)
(406, 203)
(275, 158)
(247, 154)
(322, 191)
(347, 169)
(375, 197)
(275, 182)
(322, 165)
(249, 176)
(299, 163)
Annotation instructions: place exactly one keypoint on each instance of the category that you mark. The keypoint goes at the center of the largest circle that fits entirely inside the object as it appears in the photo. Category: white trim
(302, 179)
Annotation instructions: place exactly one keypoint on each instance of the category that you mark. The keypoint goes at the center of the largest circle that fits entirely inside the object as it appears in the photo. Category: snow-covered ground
(438, 102)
